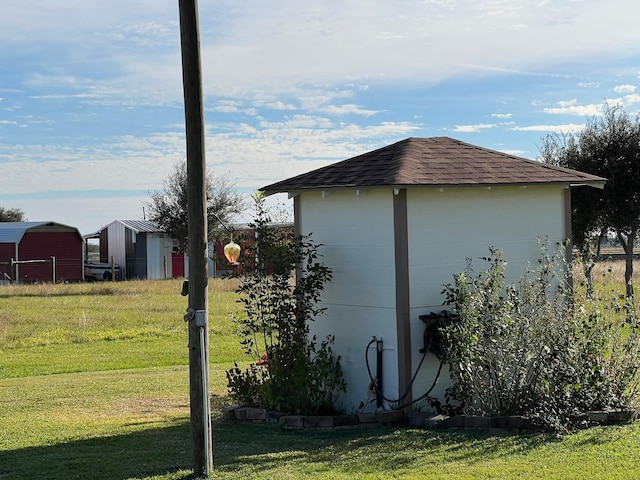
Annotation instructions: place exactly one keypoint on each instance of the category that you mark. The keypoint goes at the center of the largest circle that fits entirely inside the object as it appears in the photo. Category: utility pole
(197, 315)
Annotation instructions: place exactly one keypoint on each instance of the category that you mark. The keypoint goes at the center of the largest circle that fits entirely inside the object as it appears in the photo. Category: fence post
(53, 269)
(164, 265)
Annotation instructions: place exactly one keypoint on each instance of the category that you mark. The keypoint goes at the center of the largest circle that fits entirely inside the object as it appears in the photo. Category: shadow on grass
(378, 450)
(247, 449)
(142, 454)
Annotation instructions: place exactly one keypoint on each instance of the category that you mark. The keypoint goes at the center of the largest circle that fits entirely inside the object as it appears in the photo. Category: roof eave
(292, 192)
(595, 184)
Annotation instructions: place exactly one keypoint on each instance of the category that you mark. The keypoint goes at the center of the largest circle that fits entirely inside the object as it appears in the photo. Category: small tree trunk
(588, 276)
(590, 251)
(627, 245)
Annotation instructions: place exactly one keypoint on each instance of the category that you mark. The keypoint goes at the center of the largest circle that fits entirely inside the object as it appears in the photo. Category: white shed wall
(159, 249)
(445, 227)
(116, 246)
(448, 226)
(356, 233)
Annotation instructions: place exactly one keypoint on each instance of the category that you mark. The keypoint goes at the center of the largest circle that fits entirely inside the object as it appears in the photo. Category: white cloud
(347, 109)
(278, 77)
(566, 128)
(298, 122)
(628, 100)
(473, 128)
(227, 106)
(567, 103)
(318, 44)
(588, 84)
(570, 108)
(256, 46)
(624, 88)
(517, 153)
(275, 105)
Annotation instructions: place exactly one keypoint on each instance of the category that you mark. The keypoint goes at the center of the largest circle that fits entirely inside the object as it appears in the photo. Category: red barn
(40, 252)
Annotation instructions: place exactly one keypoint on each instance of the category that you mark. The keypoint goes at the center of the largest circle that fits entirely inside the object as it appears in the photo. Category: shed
(139, 247)
(40, 252)
(396, 224)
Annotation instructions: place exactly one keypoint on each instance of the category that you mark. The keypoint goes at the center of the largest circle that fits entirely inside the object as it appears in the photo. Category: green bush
(530, 349)
(293, 372)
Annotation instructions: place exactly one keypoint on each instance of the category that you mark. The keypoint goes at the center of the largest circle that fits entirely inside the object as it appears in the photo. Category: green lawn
(94, 384)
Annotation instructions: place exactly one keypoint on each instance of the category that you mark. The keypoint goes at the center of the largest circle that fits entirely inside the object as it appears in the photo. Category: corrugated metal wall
(66, 247)
(159, 253)
(140, 255)
(116, 246)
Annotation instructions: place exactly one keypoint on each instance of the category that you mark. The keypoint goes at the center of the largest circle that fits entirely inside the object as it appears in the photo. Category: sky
(91, 100)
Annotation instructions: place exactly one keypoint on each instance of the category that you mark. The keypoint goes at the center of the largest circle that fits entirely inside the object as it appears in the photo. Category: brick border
(236, 413)
(506, 424)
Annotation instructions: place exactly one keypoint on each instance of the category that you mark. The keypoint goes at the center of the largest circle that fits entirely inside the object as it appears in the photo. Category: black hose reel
(434, 340)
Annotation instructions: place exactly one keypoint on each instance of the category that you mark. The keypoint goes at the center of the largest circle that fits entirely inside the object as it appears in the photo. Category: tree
(588, 226)
(168, 207)
(609, 146)
(11, 215)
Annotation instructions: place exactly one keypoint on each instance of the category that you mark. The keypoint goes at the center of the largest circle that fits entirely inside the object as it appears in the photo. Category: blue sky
(91, 112)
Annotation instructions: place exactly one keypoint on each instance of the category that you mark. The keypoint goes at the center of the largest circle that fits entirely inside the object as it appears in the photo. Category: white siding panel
(446, 227)
(354, 327)
(158, 252)
(356, 233)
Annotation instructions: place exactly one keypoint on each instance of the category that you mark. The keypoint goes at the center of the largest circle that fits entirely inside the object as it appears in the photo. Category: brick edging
(509, 424)
(236, 413)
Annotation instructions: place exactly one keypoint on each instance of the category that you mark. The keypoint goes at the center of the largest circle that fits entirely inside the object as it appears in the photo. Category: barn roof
(435, 161)
(12, 232)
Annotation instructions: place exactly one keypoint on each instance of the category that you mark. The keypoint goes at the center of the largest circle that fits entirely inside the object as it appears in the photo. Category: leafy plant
(298, 374)
(245, 384)
(525, 349)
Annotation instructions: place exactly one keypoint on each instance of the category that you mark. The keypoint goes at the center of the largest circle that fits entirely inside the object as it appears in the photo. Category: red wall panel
(7, 252)
(66, 247)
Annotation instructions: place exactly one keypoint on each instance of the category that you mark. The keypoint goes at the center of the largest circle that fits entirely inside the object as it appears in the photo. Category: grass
(94, 384)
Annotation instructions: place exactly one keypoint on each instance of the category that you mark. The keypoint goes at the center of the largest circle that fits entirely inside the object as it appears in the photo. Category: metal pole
(205, 396)
(197, 237)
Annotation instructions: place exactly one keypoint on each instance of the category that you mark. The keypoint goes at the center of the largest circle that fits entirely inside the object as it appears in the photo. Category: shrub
(294, 372)
(526, 349)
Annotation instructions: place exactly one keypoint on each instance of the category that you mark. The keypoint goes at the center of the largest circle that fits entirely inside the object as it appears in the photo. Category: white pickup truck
(98, 272)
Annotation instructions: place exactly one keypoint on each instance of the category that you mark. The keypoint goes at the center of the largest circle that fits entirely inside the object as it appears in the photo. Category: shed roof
(138, 226)
(141, 226)
(435, 161)
(12, 232)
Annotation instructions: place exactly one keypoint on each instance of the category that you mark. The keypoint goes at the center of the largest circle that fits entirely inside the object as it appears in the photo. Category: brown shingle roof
(436, 161)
